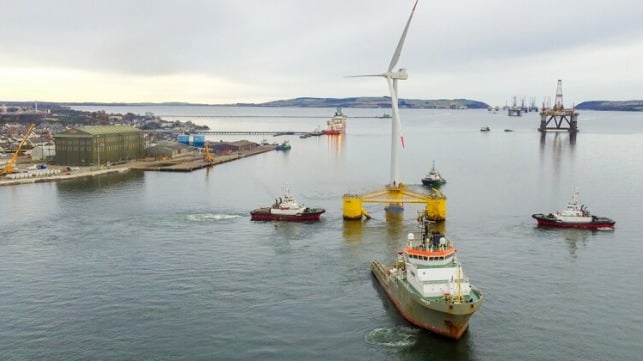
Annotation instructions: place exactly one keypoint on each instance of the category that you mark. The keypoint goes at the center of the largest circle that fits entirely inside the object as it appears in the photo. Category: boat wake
(396, 337)
(207, 217)
(605, 229)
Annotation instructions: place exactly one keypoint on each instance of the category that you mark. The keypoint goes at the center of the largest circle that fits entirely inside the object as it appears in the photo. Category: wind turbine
(391, 78)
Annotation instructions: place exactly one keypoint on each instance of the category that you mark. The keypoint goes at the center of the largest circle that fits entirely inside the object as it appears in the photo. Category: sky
(252, 51)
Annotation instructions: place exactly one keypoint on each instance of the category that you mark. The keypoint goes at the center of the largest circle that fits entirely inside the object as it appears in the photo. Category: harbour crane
(9, 168)
(208, 157)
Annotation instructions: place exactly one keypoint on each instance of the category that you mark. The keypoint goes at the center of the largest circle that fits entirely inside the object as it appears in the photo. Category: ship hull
(432, 182)
(264, 214)
(447, 319)
(595, 223)
(333, 132)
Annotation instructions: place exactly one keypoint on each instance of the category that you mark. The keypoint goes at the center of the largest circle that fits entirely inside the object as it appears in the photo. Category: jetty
(183, 163)
(191, 163)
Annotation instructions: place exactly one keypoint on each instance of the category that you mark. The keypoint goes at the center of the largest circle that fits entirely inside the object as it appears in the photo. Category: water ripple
(395, 337)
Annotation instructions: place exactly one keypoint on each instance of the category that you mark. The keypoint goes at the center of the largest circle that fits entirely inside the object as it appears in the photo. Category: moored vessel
(575, 215)
(337, 124)
(433, 178)
(427, 286)
(286, 208)
(285, 145)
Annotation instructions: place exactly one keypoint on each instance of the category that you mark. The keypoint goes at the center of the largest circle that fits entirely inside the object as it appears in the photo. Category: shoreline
(182, 163)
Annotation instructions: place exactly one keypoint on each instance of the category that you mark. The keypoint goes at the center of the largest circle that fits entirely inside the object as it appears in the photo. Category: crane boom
(9, 168)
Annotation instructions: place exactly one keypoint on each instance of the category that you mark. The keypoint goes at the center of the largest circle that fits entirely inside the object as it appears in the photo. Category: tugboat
(433, 178)
(337, 124)
(427, 285)
(283, 146)
(574, 215)
(286, 208)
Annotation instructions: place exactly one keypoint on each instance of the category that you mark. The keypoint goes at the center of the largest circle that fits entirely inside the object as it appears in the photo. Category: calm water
(167, 266)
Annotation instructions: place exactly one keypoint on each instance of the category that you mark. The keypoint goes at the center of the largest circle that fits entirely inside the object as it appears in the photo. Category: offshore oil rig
(516, 110)
(395, 194)
(557, 117)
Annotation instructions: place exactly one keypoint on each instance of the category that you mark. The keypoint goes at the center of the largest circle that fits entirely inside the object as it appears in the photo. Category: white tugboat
(286, 208)
(575, 215)
(427, 284)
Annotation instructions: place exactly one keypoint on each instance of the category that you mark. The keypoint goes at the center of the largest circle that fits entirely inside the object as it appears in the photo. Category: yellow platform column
(352, 207)
(436, 208)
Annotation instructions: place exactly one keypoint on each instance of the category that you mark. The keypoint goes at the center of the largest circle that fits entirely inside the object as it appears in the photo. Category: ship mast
(459, 285)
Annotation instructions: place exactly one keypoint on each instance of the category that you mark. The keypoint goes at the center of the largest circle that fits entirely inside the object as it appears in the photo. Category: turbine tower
(391, 78)
(395, 193)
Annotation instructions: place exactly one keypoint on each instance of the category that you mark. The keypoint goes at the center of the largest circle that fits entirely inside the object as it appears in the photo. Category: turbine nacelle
(401, 74)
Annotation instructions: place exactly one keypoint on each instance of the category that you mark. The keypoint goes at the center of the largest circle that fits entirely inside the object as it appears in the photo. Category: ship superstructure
(427, 284)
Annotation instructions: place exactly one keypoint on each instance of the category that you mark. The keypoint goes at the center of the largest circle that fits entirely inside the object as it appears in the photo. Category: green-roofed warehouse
(94, 145)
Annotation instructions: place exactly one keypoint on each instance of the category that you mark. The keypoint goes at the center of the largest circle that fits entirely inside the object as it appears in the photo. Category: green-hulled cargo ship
(427, 284)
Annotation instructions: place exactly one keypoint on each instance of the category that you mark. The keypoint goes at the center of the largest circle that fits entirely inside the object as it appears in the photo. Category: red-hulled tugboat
(574, 215)
(286, 208)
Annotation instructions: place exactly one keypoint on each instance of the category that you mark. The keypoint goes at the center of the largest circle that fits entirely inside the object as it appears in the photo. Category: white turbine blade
(363, 75)
(400, 44)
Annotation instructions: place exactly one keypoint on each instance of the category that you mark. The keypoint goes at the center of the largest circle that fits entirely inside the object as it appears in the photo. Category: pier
(250, 132)
(185, 163)
(194, 162)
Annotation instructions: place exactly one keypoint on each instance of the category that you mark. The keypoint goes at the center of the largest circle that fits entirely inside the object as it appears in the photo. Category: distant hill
(303, 102)
(627, 105)
(352, 102)
(371, 102)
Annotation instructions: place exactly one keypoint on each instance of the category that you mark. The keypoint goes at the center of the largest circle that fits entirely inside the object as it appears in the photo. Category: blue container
(198, 141)
(183, 139)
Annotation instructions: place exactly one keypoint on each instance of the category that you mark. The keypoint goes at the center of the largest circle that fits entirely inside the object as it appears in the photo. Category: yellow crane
(208, 156)
(9, 168)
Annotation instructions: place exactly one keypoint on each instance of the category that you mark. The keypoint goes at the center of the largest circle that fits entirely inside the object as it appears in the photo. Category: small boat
(433, 178)
(285, 145)
(286, 208)
(485, 129)
(427, 285)
(337, 124)
(508, 130)
(574, 215)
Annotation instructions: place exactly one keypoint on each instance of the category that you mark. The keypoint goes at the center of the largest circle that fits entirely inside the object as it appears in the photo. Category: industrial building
(167, 150)
(98, 145)
(228, 147)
